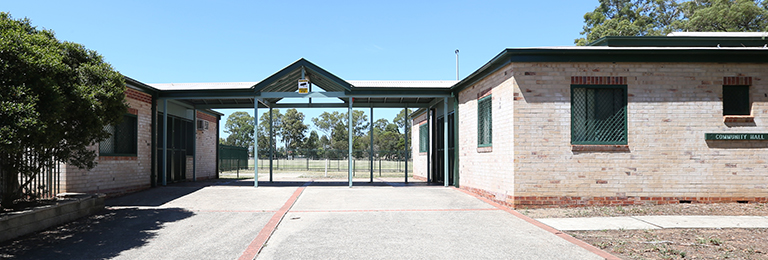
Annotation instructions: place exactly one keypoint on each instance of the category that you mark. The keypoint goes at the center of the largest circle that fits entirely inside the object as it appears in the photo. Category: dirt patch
(680, 243)
(716, 209)
(671, 243)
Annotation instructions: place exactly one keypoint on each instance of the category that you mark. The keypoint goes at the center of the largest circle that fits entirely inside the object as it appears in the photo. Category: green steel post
(407, 124)
(371, 134)
(194, 144)
(445, 141)
(455, 141)
(165, 141)
(349, 131)
(255, 143)
(271, 145)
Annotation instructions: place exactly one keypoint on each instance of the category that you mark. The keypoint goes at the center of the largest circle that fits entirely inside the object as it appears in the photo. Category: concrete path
(655, 222)
(233, 220)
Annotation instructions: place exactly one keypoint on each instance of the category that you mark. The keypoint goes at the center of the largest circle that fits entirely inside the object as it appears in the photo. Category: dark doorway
(180, 145)
(438, 148)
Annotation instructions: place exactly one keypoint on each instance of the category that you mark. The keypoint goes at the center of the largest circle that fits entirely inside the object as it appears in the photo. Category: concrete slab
(596, 223)
(206, 235)
(385, 198)
(479, 234)
(707, 221)
(224, 198)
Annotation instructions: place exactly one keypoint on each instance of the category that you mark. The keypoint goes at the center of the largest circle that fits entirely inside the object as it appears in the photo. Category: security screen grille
(484, 122)
(599, 115)
(736, 100)
(123, 140)
(423, 138)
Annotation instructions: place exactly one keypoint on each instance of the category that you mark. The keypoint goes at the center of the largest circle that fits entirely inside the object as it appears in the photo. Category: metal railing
(38, 177)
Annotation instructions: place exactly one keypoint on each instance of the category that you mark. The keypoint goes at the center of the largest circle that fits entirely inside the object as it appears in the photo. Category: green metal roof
(616, 54)
(284, 84)
(680, 41)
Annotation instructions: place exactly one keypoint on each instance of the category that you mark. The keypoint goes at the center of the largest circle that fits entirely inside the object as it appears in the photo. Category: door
(438, 146)
(180, 136)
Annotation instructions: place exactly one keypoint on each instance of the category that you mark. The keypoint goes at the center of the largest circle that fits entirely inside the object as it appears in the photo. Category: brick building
(626, 120)
(130, 160)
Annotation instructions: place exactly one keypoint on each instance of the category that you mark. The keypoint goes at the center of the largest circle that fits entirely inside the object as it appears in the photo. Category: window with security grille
(123, 140)
(599, 114)
(423, 138)
(484, 122)
(736, 100)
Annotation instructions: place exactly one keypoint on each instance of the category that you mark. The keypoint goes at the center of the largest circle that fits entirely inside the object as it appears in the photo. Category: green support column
(455, 141)
(255, 143)
(350, 131)
(271, 145)
(165, 141)
(445, 141)
(371, 134)
(407, 150)
(194, 146)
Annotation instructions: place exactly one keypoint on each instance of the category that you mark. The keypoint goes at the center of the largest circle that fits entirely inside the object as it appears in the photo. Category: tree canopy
(56, 97)
(660, 17)
(239, 126)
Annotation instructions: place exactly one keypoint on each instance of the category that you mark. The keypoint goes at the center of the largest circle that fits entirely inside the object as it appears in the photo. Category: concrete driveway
(294, 220)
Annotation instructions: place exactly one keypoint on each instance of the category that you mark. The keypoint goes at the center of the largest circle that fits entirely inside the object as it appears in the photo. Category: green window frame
(423, 138)
(123, 140)
(736, 100)
(599, 114)
(485, 122)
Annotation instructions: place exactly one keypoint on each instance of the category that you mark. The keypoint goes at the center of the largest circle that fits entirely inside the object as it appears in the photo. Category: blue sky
(226, 41)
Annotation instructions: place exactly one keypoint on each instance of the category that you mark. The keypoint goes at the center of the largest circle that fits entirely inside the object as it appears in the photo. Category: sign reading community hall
(736, 136)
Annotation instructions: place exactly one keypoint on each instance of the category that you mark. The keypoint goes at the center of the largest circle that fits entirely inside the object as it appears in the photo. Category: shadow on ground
(101, 236)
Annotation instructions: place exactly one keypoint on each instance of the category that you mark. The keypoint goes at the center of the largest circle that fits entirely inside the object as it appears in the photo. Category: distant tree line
(331, 142)
(660, 17)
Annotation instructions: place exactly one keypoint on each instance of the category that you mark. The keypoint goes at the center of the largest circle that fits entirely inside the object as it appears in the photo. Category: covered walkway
(303, 84)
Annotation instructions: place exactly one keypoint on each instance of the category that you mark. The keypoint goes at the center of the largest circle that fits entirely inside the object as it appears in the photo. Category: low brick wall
(18, 224)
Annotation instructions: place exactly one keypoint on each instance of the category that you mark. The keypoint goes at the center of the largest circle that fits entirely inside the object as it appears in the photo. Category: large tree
(334, 125)
(724, 16)
(55, 97)
(660, 17)
(293, 129)
(239, 126)
(277, 122)
(628, 18)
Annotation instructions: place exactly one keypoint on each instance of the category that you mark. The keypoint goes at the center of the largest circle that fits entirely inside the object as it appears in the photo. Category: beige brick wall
(489, 171)
(419, 159)
(670, 108)
(206, 148)
(117, 174)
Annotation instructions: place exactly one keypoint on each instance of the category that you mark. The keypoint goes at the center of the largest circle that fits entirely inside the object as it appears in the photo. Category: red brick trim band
(113, 192)
(738, 119)
(575, 201)
(600, 148)
(138, 95)
(206, 117)
(737, 81)
(595, 80)
(549, 229)
(258, 243)
(392, 210)
(118, 158)
(133, 111)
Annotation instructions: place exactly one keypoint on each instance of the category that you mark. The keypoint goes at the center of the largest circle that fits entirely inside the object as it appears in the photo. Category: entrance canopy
(279, 89)
(284, 84)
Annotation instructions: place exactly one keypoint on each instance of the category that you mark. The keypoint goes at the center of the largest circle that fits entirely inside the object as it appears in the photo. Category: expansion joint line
(261, 239)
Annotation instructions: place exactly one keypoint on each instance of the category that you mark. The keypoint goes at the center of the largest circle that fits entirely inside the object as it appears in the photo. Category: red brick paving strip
(562, 235)
(258, 243)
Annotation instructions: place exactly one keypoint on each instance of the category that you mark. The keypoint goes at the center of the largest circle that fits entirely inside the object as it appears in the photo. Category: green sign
(729, 136)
